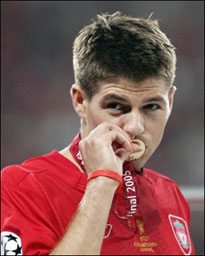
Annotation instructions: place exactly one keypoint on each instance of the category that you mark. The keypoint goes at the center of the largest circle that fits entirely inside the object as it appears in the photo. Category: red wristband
(107, 173)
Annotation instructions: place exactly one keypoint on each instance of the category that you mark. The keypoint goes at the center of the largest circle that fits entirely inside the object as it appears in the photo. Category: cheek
(159, 132)
(156, 129)
(95, 118)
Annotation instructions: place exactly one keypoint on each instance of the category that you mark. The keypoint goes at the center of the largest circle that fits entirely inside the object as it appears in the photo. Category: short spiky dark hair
(117, 46)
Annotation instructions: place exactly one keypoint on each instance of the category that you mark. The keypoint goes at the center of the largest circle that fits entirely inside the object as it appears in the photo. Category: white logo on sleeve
(10, 244)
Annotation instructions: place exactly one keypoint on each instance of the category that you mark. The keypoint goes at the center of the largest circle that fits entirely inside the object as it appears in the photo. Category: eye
(151, 107)
(116, 108)
(114, 105)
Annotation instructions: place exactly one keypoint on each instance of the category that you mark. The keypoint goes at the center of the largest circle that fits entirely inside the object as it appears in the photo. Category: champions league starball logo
(10, 244)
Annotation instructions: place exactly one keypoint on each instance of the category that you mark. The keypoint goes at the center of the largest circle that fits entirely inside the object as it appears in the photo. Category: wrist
(107, 177)
(102, 187)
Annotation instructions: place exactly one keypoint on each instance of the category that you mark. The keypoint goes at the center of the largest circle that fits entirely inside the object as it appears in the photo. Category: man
(70, 202)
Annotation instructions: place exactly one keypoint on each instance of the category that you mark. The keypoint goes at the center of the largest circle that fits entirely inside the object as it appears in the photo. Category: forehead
(153, 87)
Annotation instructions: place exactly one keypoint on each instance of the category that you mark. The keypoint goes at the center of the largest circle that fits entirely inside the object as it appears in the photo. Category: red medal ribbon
(136, 195)
(75, 151)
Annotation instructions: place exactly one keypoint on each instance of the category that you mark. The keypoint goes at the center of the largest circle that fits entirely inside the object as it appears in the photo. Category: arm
(85, 233)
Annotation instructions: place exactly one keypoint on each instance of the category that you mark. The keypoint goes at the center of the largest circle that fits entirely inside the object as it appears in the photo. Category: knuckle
(81, 144)
(92, 141)
(97, 140)
(102, 125)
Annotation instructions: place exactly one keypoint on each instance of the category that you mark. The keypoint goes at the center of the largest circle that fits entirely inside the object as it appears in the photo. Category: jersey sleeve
(26, 218)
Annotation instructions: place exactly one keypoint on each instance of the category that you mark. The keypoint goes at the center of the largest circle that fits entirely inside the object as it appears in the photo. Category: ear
(172, 91)
(79, 100)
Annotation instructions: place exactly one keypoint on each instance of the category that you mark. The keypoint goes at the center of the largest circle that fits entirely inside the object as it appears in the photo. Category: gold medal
(136, 155)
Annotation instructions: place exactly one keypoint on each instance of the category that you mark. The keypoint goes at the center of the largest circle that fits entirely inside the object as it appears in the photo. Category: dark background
(37, 113)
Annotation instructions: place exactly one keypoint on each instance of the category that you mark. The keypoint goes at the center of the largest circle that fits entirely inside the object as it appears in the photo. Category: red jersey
(40, 196)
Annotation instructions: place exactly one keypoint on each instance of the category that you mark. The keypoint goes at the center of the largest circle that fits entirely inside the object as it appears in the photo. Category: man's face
(139, 109)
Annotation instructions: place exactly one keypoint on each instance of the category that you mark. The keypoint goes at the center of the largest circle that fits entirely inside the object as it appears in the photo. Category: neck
(83, 129)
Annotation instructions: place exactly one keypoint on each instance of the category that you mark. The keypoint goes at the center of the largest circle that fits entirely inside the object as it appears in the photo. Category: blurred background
(36, 66)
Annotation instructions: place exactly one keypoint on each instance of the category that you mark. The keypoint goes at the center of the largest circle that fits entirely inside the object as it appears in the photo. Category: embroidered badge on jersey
(10, 244)
(181, 233)
(107, 230)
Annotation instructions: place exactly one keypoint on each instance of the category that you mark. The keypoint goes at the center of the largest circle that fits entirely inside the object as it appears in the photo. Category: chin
(138, 164)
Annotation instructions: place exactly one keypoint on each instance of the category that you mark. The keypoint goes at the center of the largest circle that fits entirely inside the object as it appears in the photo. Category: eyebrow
(115, 97)
(155, 99)
(109, 97)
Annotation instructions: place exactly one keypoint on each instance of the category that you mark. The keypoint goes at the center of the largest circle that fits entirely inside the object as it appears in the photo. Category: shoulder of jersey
(14, 174)
(156, 175)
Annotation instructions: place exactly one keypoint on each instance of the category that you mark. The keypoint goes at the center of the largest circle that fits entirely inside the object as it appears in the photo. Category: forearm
(85, 233)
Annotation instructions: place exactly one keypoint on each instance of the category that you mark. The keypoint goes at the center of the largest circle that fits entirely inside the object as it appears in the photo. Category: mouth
(138, 146)
(136, 155)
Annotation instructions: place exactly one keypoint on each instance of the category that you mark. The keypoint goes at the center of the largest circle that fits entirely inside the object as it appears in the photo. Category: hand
(98, 149)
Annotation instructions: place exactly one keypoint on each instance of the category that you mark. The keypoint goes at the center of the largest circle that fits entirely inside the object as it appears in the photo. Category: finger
(120, 138)
(122, 154)
(105, 127)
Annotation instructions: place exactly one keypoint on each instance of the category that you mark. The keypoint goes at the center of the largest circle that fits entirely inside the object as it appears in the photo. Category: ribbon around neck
(143, 191)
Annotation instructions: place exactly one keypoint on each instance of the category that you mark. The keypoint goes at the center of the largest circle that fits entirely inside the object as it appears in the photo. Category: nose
(133, 124)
